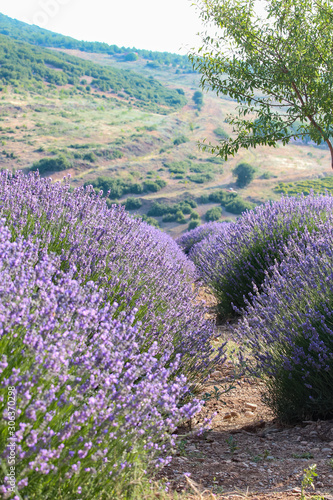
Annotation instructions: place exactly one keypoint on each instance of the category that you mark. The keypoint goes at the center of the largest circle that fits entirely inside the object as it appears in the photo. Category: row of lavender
(102, 343)
(273, 268)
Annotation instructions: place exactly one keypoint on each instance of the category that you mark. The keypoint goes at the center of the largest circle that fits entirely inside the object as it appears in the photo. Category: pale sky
(162, 25)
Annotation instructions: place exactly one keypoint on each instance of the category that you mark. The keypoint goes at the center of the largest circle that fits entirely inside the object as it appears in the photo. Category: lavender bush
(288, 330)
(230, 261)
(189, 239)
(88, 403)
(130, 262)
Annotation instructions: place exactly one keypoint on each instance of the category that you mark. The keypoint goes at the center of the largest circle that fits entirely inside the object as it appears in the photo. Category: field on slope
(107, 136)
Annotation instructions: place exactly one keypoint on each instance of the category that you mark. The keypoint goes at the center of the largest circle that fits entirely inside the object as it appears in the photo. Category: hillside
(45, 38)
(33, 68)
(145, 152)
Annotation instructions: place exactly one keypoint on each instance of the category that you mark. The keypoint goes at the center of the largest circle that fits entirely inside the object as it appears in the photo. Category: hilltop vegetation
(45, 38)
(26, 66)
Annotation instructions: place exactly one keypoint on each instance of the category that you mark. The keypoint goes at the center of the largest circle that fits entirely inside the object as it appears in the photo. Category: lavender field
(105, 345)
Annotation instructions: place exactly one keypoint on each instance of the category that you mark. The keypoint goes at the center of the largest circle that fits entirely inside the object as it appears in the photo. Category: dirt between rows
(247, 453)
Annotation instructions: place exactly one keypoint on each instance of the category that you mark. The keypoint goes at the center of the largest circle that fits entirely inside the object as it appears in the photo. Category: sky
(161, 25)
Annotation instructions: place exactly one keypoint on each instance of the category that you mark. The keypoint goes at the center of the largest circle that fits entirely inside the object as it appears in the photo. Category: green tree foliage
(198, 99)
(159, 209)
(238, 206)
(244, 173)
(194, 216)
(180, 140)
(52, 164)
(131, 56)
(193, 224)
(213, 214)
(118, 187)
(276, 65)
(133, 203)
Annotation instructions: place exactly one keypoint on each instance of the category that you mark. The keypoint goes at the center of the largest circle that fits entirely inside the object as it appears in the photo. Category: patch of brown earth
(247, 453)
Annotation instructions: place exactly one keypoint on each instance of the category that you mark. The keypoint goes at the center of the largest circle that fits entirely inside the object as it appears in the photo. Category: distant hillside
(44, 38)
(25, 65)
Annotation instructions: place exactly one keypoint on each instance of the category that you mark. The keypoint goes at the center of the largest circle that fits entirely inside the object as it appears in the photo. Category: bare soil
(248, 453)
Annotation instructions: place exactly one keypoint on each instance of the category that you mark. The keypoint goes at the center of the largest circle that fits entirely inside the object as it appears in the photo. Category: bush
(213, 214)
(221, 196)
(289, 331)
(200, 178)
(221, 133)
(188, 240)
(107, 246)
(244, 173)
(133, 203)
(52, 164)
(193, 224)
(178, 167)
(232, 260)
(70, 435)
(180, 140)
(91, 157)
(97, 307)
(237, 206)
(151, 186)
(194, 215)
(204, 199)
(157, 209)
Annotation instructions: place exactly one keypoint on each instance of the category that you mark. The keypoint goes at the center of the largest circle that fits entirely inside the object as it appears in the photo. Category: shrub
(52, 164)
(221, 196)
(132, 263)
(193, 224)
(149, 220)
(91, 157)
(200, 178)
(289, 330)
(213, 214)
(178, 167)
(194, 215)
(233, 259)
(180, 140)
(188, 240)
(238, 206)
(221, 133)
(133, 203)
(65, 360)
(157, 209)
(151, 186)
(204, 199)
(244, 173)
(131, 56)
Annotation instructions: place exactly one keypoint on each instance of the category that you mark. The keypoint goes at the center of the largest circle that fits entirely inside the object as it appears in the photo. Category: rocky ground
(247, 453)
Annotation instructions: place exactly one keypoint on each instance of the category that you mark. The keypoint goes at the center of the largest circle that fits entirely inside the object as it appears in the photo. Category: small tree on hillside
(245, 174)
(198, 99)
(277, 65)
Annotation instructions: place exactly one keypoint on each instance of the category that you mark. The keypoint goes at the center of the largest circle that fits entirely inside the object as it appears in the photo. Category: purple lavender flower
(287, 329)
(239, 254)
(87, 397)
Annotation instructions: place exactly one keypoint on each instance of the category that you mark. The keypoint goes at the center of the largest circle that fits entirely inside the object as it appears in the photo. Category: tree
(198, 99)
(213, 214)
(277, 65)
(245, 174)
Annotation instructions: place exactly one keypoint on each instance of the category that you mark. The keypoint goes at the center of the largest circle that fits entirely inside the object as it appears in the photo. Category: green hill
(45, 38)
(27, 66)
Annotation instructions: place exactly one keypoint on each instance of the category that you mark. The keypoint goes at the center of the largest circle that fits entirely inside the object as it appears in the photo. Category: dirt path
(247, 454)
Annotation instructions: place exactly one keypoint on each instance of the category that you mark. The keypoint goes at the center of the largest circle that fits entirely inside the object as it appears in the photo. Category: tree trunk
(329, 144)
